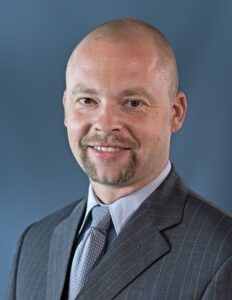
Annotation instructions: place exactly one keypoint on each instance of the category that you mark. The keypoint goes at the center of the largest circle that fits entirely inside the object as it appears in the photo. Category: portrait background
(37, 171)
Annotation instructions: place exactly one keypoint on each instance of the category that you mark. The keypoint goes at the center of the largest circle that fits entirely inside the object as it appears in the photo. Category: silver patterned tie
(90, 250)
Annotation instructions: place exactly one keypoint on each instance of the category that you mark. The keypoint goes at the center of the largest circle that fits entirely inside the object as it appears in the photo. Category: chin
(116, 180)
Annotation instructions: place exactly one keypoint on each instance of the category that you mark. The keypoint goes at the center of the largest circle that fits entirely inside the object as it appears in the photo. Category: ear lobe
(64, 100)
(179, 108)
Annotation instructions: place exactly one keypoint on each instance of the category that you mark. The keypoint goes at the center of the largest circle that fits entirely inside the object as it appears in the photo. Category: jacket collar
(61, 244)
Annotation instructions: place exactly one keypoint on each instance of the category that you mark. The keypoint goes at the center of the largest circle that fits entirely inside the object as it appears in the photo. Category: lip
(107, 149)
(107, 152)
(109, 146)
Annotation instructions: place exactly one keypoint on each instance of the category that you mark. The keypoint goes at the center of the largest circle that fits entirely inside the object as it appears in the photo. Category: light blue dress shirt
(122, 209)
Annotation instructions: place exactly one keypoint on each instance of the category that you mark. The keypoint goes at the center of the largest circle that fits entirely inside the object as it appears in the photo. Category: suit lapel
(141, 242)
(60, 249)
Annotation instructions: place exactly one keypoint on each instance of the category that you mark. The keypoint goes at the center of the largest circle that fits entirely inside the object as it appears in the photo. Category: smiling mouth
(109, 149)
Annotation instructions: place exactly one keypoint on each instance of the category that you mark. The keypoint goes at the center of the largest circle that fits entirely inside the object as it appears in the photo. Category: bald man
(162, 241)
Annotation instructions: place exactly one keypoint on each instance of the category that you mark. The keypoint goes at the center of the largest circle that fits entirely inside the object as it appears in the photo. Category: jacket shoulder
(33, 247)
(211, 225)
(194, 200)
(50, 221)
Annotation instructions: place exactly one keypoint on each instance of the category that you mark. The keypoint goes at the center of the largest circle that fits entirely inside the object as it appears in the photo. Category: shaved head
(129, 30)
(121, 105)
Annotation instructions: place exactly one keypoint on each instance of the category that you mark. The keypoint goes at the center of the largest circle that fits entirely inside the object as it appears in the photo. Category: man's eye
(133, 103)
(86, 101)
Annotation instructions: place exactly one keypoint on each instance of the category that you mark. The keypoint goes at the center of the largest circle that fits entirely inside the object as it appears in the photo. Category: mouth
(110, 149)
(109, 144)
(107, 153)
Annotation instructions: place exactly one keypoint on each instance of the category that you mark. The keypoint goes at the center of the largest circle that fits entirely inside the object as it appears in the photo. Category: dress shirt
(123, 208)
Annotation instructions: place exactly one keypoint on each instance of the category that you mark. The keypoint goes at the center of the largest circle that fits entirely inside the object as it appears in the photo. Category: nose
(108, 119)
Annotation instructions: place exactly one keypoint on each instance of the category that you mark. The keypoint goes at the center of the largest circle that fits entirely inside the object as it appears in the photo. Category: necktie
(90, 249)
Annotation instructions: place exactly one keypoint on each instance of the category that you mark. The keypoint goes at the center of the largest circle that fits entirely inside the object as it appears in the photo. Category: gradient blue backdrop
(37, 171)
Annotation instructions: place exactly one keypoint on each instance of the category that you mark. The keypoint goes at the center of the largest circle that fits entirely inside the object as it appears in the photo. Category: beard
(124, 174)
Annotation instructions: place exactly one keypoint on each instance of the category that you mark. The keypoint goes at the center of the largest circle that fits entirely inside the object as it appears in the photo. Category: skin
(117, 95)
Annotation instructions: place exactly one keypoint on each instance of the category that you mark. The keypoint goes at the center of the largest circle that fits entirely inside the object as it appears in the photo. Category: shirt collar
(122, 209)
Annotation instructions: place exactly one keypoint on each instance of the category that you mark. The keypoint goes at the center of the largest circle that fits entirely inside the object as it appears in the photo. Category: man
(121, 106)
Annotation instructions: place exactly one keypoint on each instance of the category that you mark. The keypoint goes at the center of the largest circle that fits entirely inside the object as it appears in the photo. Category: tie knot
(101, 217)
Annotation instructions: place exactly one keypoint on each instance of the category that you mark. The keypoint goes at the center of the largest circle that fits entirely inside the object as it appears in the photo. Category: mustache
(111, 140)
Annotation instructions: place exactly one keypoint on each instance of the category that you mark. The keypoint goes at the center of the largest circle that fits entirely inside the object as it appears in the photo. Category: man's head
(121, 104)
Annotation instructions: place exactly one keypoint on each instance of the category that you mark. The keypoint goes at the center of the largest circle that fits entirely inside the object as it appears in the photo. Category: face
(118, 112)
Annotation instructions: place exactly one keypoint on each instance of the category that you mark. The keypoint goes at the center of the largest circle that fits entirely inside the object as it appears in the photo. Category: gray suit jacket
(176, 246)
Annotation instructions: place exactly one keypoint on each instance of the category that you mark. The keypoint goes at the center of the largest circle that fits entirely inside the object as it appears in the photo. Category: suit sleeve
(11, 291)
(220, 286)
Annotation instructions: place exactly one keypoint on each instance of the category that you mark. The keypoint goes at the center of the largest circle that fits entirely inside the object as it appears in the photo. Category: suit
(175, 246)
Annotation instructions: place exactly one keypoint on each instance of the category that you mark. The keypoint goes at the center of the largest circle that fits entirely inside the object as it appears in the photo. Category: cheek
(156, 126)
(154, 135)
(76, 122)
(76, 129)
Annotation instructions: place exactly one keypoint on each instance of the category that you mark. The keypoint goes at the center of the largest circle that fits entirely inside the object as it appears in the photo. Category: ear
(179, 108)
(64, 100)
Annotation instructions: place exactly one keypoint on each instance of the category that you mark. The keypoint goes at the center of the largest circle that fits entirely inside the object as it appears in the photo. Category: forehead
(102, 52)
(98, 61)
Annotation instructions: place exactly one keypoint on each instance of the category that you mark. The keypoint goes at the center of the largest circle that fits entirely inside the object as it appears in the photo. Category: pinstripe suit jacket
(176, 246)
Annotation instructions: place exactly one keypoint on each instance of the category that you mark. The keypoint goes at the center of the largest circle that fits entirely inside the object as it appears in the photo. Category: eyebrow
(135, 92)
(79, 88)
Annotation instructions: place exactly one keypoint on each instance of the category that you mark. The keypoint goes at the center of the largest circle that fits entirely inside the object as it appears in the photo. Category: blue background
(37, 171)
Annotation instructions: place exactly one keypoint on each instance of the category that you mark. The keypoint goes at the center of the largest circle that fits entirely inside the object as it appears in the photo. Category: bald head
(128, 30)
